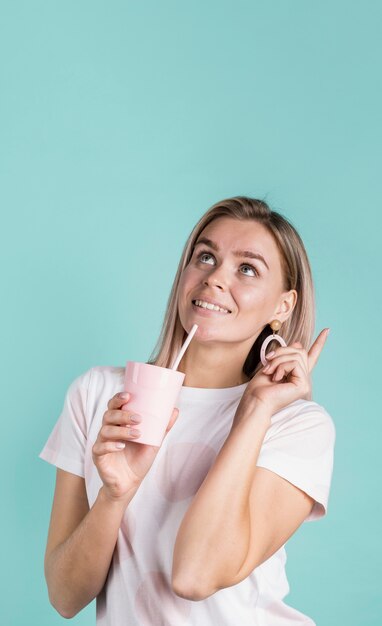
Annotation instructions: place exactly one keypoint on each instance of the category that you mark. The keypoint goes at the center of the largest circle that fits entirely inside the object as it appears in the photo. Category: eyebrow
(248, 254)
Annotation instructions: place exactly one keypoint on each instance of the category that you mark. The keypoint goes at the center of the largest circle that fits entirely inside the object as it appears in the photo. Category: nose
(216, 278)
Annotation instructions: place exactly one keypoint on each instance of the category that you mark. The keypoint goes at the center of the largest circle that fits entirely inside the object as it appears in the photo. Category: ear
(286, 304)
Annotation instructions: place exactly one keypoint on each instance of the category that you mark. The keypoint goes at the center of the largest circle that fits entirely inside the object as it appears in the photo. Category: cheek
(182, 283)
(255, 304)
(185, 284)
(252, 300)
(189, 277)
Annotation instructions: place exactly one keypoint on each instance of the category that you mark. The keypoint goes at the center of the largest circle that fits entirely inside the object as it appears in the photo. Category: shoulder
(104, 381)
(100, 373)
(96, 381)
(89, 393)
(304, 416)
(106, 374)
(299, 447)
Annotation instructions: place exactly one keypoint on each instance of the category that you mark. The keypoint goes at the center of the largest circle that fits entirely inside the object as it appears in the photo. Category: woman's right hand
(122, 468)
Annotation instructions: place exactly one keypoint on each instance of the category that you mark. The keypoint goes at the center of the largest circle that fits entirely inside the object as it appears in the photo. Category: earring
(275, 325)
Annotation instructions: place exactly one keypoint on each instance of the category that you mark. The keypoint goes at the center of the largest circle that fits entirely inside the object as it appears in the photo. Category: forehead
(233, 234)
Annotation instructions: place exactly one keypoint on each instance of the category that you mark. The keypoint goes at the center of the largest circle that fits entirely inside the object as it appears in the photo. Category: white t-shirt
(298, 446)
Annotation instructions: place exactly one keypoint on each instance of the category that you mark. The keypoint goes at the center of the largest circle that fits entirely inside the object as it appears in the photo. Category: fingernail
(134, 432)
(327, 331)
(123, 395)
(120, 445)
(268, 356)
(135, 419)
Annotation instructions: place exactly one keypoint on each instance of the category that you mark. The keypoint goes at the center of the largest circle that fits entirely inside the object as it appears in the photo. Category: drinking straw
(184, 347)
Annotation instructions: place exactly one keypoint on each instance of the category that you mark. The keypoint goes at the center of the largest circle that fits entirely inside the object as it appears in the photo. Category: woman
(193, 532)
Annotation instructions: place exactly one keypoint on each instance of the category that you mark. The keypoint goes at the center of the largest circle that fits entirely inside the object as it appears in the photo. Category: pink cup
(154, 392)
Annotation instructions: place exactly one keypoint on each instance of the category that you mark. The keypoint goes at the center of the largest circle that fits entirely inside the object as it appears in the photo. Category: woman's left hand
(285, 379)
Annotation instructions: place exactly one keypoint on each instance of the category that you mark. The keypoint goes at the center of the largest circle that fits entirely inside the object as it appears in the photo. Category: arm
(239, 517)
(81, 542)
(242, 514)
(75, 571)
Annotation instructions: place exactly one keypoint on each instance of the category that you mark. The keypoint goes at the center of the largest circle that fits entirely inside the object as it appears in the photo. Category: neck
(214, 367)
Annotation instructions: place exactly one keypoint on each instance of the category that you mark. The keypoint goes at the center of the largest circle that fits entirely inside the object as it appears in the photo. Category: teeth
(211, 307)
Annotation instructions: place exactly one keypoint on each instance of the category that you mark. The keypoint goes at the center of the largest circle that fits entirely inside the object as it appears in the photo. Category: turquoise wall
(121, 123)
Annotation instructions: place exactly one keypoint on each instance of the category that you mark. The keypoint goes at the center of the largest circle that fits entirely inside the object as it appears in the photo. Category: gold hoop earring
(275, 325)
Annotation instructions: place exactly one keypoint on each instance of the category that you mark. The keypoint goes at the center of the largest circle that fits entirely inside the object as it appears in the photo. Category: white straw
(184, 347)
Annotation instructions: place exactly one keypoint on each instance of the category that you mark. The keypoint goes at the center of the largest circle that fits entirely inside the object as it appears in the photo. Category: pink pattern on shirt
(182, 470)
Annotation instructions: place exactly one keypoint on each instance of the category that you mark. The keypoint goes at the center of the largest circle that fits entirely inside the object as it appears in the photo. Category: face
(227, 288)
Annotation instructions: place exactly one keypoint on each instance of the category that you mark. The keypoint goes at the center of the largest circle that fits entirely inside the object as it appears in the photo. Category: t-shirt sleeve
(301, 450)
(65, 447)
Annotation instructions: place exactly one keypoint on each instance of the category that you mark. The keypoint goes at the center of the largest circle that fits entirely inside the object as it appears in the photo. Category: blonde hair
(296, 272)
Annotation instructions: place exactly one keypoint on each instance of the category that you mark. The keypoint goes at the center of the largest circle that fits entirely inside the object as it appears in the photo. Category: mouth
(210, 306)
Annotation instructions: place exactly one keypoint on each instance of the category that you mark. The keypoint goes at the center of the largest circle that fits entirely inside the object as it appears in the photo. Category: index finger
(316, 348)
(118, 400)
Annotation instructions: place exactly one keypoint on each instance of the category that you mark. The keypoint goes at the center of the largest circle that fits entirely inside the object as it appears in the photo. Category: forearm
(76, 570)
(214, 536)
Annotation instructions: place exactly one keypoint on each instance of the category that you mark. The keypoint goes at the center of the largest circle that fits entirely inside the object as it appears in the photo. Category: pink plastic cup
(154, 392)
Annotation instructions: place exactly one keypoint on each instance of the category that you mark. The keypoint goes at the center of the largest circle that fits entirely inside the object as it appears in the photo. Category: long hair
(296, 274)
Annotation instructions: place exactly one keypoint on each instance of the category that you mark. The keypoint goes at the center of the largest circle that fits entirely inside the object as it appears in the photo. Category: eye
(246, 265)
(251, 269)
(202, 256)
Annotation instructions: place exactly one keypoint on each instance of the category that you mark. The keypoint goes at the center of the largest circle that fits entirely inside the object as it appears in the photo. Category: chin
(207, 334)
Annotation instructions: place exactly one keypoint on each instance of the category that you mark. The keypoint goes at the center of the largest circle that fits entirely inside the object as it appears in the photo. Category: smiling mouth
(209, 306)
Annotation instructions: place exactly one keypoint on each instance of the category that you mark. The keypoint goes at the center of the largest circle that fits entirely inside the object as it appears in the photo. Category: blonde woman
(193, 532)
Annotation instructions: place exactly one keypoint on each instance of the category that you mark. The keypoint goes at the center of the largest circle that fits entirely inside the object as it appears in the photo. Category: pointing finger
(316, 348)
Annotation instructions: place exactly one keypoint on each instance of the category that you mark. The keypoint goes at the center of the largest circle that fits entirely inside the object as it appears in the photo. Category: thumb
(173, 419)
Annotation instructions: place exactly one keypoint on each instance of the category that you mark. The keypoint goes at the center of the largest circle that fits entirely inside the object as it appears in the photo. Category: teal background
(121, 123)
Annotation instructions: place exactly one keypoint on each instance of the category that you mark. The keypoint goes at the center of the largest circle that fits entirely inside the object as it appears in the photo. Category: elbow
(56, 593)
(189, 593)
(66, 615)
(65, 609)
(65, 603)
(189, 590)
